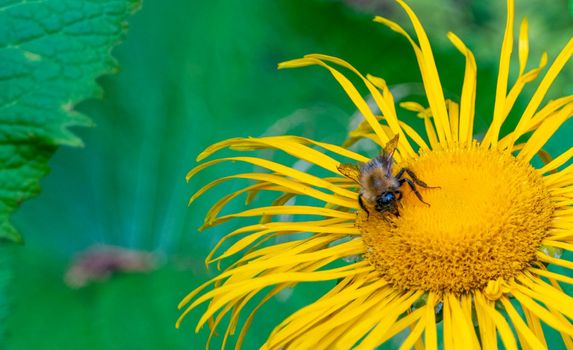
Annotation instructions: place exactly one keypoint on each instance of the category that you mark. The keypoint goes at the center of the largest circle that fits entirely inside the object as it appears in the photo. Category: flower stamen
(485, 223)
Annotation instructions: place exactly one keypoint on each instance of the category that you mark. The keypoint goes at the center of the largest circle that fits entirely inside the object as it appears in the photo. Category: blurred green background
(192, 73)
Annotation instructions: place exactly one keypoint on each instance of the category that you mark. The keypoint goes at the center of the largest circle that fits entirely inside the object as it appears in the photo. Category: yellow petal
(467, 103)
(341, 151)
(500, 323)
(287, 186)
(404, 322)
(348, 315)
(486, 325)
(431, 78)
(519, 85)
(544, 86)
(290, 145)
(535, 325)
(523, 45)
(567, 339)
(296, 149)
(414, 107)
(350, 90)
(228, 293)
(492, 134)
(385, 103)
(563, 245)
(414, 335)
(559, 179)
(543, 314)
(548, 295)
(520, 326)
(557, 162)
(554, 275)
(560, 262)
(368, 321)
(249, 320)
(284, 143)
(453, 111)
(408, 130)
(549, 109)
(245, 242)
(351, 316)
(340, 298)
(466, 337)
(390, 314)
(431, 134)
(237, 307)
(280, 169)
(281, 200)
(544, 132)
(286, 210)
(221, 203)
(450, 341)
(431, 336)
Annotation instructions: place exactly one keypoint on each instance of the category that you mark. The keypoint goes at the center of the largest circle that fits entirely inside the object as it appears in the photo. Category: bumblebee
(379, 187)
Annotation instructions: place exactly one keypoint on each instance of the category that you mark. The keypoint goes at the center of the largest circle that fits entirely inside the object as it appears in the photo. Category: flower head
(469, 245)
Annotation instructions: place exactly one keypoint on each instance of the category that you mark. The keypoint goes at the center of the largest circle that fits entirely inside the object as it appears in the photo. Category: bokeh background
(196, 72)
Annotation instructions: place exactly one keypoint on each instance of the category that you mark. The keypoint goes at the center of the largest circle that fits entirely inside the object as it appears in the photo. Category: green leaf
(51, 52)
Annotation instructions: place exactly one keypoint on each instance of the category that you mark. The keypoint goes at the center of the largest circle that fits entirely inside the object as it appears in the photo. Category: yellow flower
(475, 259)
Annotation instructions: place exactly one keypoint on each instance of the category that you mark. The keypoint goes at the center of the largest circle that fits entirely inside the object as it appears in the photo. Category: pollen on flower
(484, 223)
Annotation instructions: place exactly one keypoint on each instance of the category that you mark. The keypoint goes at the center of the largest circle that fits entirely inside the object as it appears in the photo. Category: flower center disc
(486, 221)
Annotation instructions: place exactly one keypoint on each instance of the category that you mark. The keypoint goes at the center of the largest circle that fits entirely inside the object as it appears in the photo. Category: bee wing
(390, 147)
(351, 171)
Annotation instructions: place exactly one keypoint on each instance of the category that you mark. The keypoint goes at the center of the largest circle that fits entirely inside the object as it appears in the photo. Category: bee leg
(413, 187)
(414, 177)
(362, 205)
